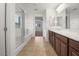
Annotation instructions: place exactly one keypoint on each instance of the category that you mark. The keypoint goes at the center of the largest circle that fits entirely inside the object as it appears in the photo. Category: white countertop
(66, 32)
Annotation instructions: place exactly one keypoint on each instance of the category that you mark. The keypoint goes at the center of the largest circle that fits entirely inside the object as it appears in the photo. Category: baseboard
(25, 42)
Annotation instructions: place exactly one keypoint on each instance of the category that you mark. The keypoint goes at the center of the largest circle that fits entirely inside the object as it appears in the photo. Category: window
(18, 21)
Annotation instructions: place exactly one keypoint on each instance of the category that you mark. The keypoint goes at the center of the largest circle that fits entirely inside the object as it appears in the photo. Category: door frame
(5, 30)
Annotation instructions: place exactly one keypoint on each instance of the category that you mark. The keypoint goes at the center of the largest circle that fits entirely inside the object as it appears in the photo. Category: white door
(2, 32)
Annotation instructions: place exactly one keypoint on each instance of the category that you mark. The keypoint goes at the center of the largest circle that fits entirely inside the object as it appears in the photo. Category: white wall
(50, 19)
(29, 22)
(44, 25)
(2, 32)
(11, 47)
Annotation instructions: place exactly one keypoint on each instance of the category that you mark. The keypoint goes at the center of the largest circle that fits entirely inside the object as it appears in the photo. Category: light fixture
(61, 7)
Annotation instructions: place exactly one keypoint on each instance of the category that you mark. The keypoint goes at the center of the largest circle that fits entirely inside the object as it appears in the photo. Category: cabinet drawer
(74, 44)
(62, 38)
(73, 52)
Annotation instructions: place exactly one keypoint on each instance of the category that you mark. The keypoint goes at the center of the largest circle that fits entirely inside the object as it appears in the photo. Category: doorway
(38, 26)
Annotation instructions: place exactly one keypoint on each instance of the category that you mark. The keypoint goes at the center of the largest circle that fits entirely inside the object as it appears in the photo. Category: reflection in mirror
(61, 19)
(73, 17)
(17, 22)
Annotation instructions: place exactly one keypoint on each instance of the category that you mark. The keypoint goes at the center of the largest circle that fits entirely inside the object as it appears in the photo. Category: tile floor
(37, 47)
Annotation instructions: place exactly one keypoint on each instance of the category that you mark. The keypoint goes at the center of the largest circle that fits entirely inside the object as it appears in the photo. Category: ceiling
(73, 7)
(36, 6)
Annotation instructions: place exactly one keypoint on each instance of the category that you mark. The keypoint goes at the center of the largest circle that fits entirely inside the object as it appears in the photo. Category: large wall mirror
(61, 19)
(73, 17)
(69, 17)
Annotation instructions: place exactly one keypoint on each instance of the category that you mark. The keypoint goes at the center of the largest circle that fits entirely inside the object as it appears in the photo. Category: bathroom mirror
(61, 19)
(72, 13)
(69, 17)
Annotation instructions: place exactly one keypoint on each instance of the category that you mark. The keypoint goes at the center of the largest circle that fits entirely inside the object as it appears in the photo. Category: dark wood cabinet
(63, 49)
(59, 43)
(58, 47)
(64, 46)
(73, 52)
(73, 48)
(51, 38)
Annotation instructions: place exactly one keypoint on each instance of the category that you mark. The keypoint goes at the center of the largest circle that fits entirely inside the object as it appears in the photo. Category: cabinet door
(58, 46)
(73, 52)
(63, 49)
(50, 37)
(73, 47)
(53, 39)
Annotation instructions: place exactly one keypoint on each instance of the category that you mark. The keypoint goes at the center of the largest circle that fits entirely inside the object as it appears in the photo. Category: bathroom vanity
(65, 40)
(64, 44)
